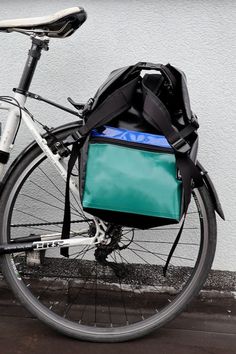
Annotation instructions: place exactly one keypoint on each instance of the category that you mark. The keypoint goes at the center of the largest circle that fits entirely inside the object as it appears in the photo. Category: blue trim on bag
(131, 136)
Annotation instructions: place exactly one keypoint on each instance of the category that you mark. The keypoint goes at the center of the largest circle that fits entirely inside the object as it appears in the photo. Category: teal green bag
(131, 178)
(128, 174)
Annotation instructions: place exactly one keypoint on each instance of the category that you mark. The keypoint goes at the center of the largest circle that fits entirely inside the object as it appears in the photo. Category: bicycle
(112, 287)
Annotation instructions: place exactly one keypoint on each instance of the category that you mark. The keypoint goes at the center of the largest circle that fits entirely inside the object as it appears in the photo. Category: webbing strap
(115, 104)
(67, 214)
(174, 246)
(188, 171)
(157, 115)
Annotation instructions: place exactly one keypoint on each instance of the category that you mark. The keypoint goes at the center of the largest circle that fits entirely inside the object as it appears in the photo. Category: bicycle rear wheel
(80, 296)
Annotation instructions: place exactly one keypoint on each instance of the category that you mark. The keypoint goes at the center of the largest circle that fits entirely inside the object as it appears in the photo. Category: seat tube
(12, 123)
(9, 132)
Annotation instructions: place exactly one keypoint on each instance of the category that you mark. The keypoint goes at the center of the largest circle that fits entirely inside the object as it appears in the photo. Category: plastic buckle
(194, 121)
(181, 146)
(88, 106)
(80, 137)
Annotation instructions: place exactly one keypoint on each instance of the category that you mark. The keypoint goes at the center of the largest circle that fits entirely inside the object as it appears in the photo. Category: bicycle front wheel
(81, 296)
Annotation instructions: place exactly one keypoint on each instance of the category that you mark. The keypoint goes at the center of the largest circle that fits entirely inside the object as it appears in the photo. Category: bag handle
(120, 100)
(164, 69)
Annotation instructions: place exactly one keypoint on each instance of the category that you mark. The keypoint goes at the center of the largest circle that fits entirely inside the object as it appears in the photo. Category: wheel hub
(114, 234)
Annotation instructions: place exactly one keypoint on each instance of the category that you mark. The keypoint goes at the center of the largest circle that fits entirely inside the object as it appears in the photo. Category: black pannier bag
(137, 149)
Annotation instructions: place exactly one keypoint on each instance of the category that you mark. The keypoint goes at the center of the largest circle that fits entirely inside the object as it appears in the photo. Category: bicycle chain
(50, 223)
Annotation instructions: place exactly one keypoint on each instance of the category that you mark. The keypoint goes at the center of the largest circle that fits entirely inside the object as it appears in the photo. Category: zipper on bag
(138, 146)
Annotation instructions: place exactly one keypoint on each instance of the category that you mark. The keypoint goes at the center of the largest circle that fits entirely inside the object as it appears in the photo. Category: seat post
(34, 55)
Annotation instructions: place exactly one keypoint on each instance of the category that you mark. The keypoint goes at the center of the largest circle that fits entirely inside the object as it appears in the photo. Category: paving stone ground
(207, 326)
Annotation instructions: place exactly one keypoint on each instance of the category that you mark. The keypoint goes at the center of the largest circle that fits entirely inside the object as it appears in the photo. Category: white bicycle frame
(6, 146)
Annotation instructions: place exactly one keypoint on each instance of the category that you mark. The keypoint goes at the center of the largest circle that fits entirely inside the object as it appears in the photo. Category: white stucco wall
(197, 36)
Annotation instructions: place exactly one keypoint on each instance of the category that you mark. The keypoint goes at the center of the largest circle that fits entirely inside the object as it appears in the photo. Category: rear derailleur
(113, 234)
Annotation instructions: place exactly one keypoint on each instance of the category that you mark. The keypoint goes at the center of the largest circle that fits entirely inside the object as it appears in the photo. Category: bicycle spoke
(132, 287)
(171, 228)
(74, 208)
(79, 206)
(169, 243)
(105, 289)
(95, 295)
(75, 253)
(45, 203)
(50, 180)
(35, 217)
(160, 258)
(41, 229)
(160, 254)
(108, 297)
(122, 296)
(62, 201)
(60, 274)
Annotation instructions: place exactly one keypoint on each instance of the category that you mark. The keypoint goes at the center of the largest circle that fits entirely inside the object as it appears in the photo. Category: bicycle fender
(213, 194)
(31, 146)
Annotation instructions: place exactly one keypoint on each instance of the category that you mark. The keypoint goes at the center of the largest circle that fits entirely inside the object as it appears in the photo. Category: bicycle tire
(171, 304)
